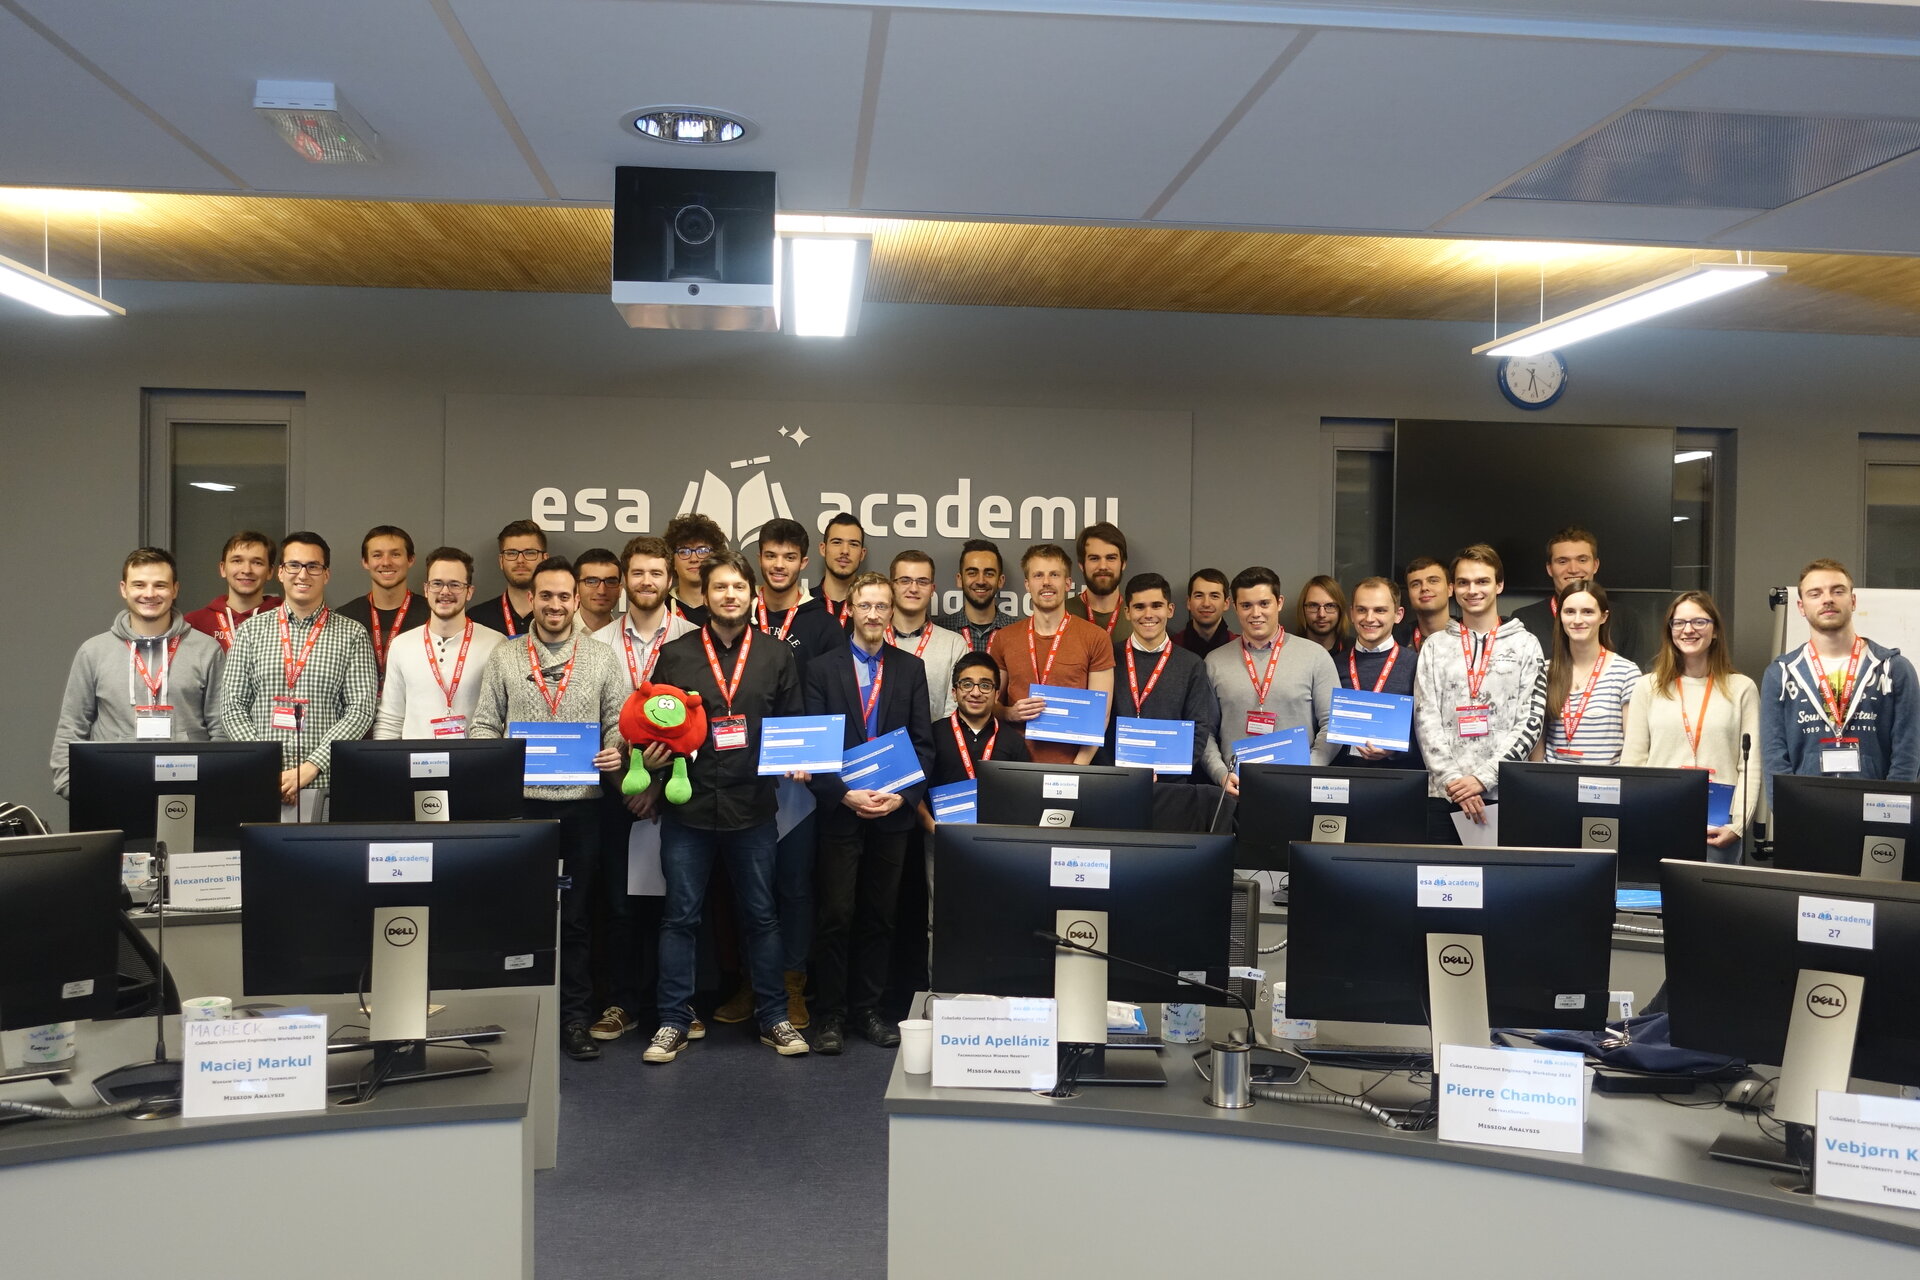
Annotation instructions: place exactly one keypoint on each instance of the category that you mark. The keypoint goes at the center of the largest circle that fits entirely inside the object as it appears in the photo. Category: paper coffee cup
(1285, 1028)
(51, 1043)
(1183, 1023)
(916, 1046)
(205, 1008)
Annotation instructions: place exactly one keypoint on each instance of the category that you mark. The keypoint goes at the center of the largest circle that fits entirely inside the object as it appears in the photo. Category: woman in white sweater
(1693, 710)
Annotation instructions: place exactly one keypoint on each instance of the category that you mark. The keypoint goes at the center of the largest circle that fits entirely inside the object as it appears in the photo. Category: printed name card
(994, 1044)
(1867, 1148)
(1522, 1098)
(253, 1066)
(203, 880)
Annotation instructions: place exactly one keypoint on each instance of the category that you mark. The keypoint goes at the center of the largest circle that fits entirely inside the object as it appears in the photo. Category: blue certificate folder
(1289, 746)
(1719, 804)
(1164, 746)
(1072, 715)
(806, 744)
(888, 763)
(1383, 719)
(559, 752)
(955, 802)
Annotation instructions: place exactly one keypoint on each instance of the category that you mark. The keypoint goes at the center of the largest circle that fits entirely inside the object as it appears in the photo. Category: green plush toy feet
(638, 779)
(679, 789)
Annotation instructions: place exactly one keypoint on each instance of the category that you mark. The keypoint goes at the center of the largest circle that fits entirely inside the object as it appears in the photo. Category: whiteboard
(1885, 615)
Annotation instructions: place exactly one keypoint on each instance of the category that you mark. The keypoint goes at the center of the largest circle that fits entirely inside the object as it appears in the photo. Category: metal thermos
(1231, 1071)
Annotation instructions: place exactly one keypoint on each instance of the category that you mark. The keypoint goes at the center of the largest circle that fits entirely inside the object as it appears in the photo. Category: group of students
(813, 868)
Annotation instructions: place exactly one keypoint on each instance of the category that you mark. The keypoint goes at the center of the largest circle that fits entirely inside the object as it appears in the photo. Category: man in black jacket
(864, 832)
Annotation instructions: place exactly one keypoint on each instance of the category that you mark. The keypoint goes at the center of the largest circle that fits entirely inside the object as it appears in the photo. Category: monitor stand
(1456, 992)
(1819, 1056)
(397, 1013)
(1123, 1068)
(1080, 1005)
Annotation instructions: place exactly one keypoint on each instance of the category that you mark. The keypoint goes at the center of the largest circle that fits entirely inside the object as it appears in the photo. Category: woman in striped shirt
(1587, 683)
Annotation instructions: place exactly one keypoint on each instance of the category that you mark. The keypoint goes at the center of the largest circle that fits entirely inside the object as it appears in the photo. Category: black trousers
(581, 863)
(627, 946)
(856, 896)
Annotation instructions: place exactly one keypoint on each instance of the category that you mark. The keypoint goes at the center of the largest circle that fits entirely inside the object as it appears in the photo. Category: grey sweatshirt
(104, 687)
(596, 690)
(1304, 679)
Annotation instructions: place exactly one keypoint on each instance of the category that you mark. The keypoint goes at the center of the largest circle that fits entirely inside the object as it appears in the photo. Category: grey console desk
(428, 1179)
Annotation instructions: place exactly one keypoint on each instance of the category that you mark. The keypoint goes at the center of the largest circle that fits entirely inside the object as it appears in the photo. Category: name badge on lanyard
(1260, 723)
(153, 723)
(1475, 721)
(289, 713)
(729, 733)
(1839, 755)
(450, 727)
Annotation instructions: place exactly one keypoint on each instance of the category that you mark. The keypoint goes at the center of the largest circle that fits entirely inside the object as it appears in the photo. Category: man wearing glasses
(523, 546)
(692, 538)
(598, 570)
(433, 672)
(914, 631)
(301, 676)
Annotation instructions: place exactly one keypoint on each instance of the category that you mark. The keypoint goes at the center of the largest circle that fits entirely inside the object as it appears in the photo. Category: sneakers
(666, 1045)
(784, 1040)
(613, 1024)
(738, 1006)
(577, 1042)
(875, 1028)
(828, 1038)
(797, 999)
(696, 1030)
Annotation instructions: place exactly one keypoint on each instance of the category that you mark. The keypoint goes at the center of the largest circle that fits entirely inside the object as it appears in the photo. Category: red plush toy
(662, 713)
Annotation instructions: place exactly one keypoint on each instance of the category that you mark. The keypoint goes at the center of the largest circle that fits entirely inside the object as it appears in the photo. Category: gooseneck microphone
(1047, 935)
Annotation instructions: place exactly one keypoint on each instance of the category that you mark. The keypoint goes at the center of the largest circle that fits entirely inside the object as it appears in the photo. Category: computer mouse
(1742, 1095)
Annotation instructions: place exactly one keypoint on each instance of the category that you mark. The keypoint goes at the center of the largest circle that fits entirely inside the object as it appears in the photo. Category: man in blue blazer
(864, 832)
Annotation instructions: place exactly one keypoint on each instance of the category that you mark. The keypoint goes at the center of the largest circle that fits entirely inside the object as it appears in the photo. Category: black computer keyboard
(342, 1041)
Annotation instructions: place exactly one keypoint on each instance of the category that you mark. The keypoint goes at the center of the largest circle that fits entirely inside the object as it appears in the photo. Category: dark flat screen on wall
(1513, 484)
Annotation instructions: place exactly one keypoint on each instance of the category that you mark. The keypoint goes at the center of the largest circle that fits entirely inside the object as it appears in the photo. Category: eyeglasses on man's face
(530, 553)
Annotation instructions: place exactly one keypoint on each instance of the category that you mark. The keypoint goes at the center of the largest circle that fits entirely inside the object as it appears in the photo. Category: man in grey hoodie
(148, 678)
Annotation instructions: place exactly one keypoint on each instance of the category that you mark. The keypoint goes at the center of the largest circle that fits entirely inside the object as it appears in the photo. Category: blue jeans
(793, 887)
(686, 861)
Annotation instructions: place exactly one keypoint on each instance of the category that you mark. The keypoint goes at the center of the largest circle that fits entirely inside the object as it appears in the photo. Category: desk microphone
(1047, 935)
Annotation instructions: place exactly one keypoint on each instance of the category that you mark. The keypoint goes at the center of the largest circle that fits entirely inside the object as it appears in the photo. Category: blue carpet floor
(730, 1161)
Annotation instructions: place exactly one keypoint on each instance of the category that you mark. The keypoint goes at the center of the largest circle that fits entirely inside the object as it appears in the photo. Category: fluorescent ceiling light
(1692, 455)
(60, 198)
(37, 288)
(827, 275)
(1678, 519)
(214, 486)
(1669, 293)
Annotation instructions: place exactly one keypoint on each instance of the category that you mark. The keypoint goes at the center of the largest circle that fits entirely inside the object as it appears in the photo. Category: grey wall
(377, 365)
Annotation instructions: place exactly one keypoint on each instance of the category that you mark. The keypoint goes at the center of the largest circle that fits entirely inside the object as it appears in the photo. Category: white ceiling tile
(1879, 213)
(1800, 84)
(571, 70)
(1578, 221)
(1050, 116)
(1369, 131)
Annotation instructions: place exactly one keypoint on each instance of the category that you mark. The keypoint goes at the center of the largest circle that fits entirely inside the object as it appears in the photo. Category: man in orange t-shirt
(1051, 647)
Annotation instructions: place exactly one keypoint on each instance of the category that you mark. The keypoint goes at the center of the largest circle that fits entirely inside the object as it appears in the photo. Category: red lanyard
(373, 615)
(154, 687)
(1113, 619)
(1261, 685)
(459, 664)
(1393, 656)
(919, 650)
(1419, 638)
(1133, 681)
(635, 672)
(1477, 676)
(1693, 734)
(540, 679)
(223, 627)
(1569, 720)
(766, 619)
(1838, 703)
(739, 665)
(960, 741)
(873, 694)
(293, 669)
(506, 611)
(1040, 674)
(841, 614)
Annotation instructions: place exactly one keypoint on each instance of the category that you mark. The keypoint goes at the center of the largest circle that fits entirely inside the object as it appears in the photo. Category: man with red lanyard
(389, 607)
(147, 678)
(1051, 647)
(1479, 697)
(1102, 550)
(1839, 704)
(914, 630)
(246, 565)
(556, 674)
(1264, 683)
(301, 676)
(1156, 679)
(631, 954)
(843, 549)
(877, 688)
(1377, 662)
(1429, 602)
(782, 608)
(523, 544)
(433, 672)
(731, 816)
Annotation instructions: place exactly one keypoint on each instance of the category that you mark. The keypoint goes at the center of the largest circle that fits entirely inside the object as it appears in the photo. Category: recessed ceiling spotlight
(694, 126)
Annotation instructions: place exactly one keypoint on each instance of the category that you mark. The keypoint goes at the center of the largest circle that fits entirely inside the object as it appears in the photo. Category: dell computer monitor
(192, 795)
(1846, 827)
(1282, 803)
(59, 928)
(1645, 815)
(1359, 919)
(428, 780)
(1106, 797)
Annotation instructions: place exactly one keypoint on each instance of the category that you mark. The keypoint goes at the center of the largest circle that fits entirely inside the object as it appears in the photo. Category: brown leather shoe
(797, 1000)
(738, 1006)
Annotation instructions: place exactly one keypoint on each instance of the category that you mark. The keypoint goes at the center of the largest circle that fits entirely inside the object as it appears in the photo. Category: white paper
(1448, 887)
(1328, 790)
(1522, 1098)
(429, 764)
(203, 879)
(994, 1044)
(1059, 786)
(390, 862)
(1835, 922)
(644, 877)
(1894, 810)
(176, 768)
(1867, 1148)
(1081, 868)
(1598, 791)
(1478, 835)
(253, 1066)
